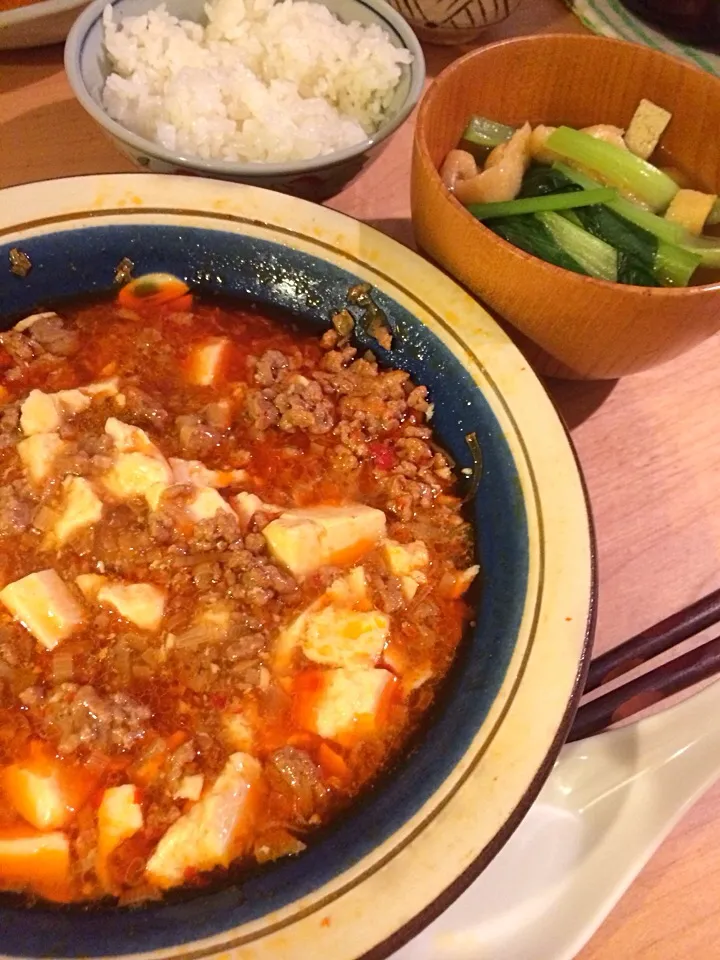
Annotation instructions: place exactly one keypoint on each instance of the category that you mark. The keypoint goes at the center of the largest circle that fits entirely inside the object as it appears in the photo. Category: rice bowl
(317, 178)
(259, 82)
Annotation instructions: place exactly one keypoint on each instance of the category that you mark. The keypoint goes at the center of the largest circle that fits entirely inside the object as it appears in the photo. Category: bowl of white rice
(295, 95)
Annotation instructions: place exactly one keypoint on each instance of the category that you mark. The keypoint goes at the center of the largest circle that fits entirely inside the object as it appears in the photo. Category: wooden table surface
(649, 447)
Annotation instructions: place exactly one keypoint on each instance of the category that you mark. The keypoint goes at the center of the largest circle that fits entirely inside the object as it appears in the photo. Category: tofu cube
(102, 389)
(141, 603)
(135, 474)
(197, 474)
(690, 209)
(404, 558)
(454, 584)
(305, 540)
(207, 362)
(216, 830)
(38, 454)
(647, 126)
(81, 507)
(343, 705)
(37, 794)
(347, 593)
(350, 590)
(190, 788)
(129, 439)
(345, 638)
(46, 412)
(410, 584)
(71, 402)
(41, 859)
(206, 503)
(89, 584)
(138, 466)
(119, 817)
(246, 505)
(238, 732)
(40, 413)
(44, 606)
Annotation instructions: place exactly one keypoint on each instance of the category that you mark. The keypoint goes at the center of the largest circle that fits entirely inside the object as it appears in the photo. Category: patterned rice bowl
(449, 22)
(375, 877)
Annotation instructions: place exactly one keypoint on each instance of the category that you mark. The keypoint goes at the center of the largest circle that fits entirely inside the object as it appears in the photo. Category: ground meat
(417, 399)
(336, 360)
(217, 415)
(271, 368)
(123, 542)
(329, 340)
(261, 410)
(18, 346)
(78, 717)
(386, 593)
(10, 418)
(142, 410)
(16, 509)
(215, 533)
(291, 772)
(244, 647)
(303, 406)
(412, 450)
(51, 334)
(197, 437)
(15, 645)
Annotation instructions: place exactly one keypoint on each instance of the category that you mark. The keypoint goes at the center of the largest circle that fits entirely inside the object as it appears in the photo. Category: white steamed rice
(261, 81)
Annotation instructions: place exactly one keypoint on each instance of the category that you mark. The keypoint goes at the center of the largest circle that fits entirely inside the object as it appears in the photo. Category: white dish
(38, 24)
(606, 808)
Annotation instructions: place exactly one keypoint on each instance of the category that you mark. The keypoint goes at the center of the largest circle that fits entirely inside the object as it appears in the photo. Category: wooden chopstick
(654, 641)
(669, 678)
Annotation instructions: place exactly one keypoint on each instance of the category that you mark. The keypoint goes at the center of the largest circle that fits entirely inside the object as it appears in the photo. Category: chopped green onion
(616, 166)
(551, 201)
(487, 133)
(597, 258)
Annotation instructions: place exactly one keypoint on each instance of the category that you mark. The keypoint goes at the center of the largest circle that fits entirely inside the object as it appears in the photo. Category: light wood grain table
(649, 447)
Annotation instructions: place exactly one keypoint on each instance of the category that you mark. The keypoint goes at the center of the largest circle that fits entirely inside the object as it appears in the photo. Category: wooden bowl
(590, 328)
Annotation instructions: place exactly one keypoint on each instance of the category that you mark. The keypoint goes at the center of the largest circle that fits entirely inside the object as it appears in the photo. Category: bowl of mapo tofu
(289, 556)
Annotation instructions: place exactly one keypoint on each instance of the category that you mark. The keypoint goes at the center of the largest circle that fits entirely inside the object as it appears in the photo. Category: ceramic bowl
(316, 179)
(589, 328)
(38, 24)
(422, 834)
(449, 22)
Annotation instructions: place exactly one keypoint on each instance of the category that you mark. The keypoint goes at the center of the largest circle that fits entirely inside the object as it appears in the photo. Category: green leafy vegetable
(550, 201)
(634, 271)
(541, 180)
(597, 258)
(714, 215)
(530, 235)
(621, 234)
(487, 133)
(674, 266)
(707, 248)
(688, 250)
(615, 166)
